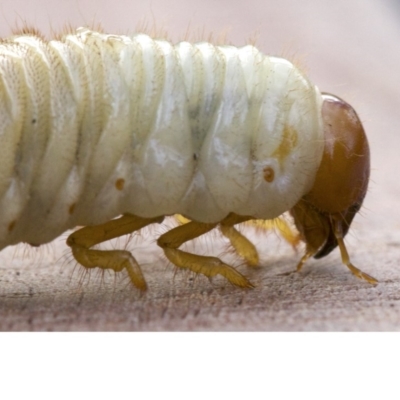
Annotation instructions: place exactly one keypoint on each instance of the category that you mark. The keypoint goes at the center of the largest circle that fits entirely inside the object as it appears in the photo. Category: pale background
(349, 48)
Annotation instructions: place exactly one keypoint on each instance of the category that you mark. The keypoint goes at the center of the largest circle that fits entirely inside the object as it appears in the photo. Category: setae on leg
(117, 260)
(243, 247)
(208, 266)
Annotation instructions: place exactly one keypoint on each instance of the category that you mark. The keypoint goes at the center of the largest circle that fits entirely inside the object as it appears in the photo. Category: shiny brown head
(323, 216)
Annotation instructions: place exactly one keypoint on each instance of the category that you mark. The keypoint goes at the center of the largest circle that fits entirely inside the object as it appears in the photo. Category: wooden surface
(348, 48)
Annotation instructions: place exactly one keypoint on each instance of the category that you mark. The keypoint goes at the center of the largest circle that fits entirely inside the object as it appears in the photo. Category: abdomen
(94, 126)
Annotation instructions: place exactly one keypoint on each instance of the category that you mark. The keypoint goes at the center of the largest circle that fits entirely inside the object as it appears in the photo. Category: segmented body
(94, 126)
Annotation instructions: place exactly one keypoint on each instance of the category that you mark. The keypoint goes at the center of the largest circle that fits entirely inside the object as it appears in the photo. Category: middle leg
(208, 266)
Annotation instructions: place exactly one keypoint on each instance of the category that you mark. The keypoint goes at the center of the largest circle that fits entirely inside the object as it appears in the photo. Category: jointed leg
(308, 254)
(209, 266)
(241, 244)
(337, 227)
(279, 224)
(243, 247)
(117, 260)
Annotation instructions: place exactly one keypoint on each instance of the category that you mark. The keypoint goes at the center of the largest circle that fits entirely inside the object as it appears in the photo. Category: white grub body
(93, 126)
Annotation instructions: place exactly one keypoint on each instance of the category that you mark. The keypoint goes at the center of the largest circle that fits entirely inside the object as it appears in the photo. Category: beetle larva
(97, 126)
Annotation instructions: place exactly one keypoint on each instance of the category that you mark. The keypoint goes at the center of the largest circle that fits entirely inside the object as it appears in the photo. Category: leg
(208, 266)
(243, 247)
(117, 260)
(283, 228)
(337, 228)
(241, 244)
(309, 253)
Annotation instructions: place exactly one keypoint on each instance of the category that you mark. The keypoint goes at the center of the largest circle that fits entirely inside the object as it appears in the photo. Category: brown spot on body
(11, 225)
(71, 208)
(119, 183)
(269, 174)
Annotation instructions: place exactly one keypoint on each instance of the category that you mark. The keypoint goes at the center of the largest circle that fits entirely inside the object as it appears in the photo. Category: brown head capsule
(323, 216)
